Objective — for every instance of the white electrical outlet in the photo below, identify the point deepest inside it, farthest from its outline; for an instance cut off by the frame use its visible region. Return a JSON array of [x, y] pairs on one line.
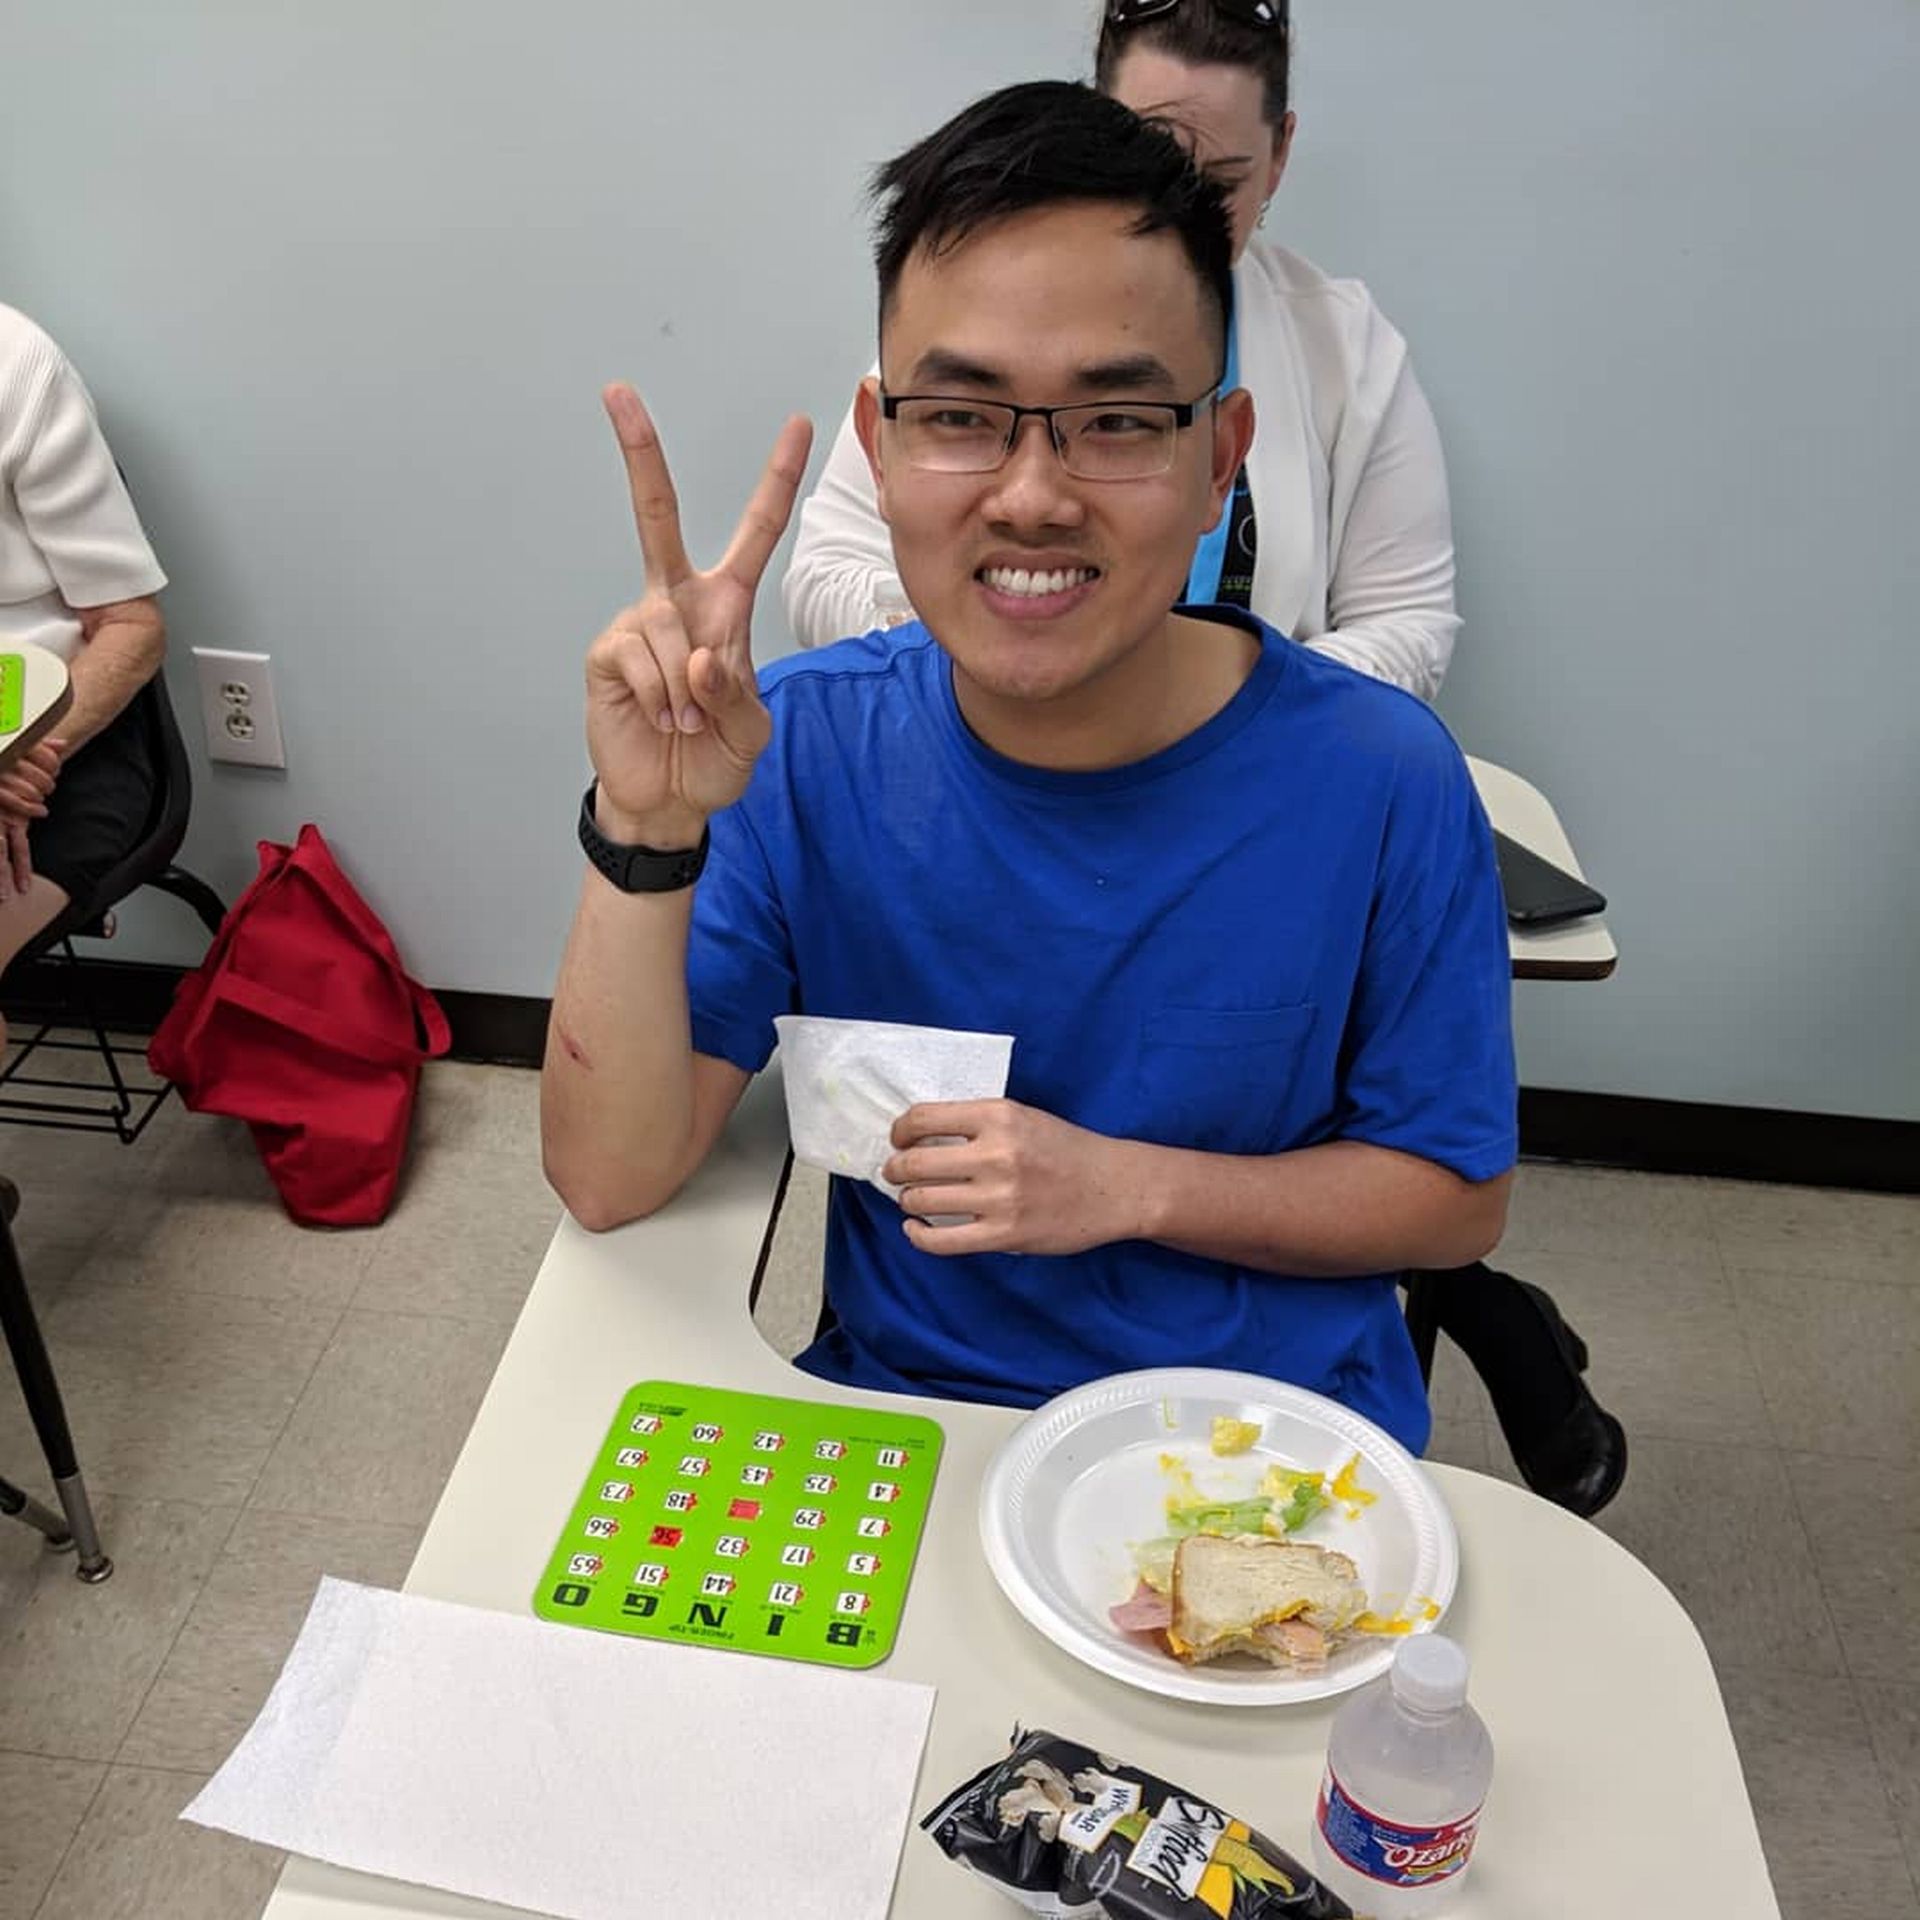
[[237, 704]]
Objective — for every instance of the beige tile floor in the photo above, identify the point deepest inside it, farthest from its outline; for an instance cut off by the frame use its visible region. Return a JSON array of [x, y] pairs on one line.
[[256, 1405]]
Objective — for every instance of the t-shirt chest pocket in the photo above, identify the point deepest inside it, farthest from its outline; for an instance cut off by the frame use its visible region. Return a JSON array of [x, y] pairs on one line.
[[1223, 1081]]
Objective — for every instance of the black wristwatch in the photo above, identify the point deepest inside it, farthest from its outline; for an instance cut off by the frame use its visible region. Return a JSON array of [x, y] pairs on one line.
[[639, 869]]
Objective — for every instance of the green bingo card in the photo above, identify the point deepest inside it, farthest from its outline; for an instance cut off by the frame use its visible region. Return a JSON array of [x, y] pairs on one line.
[[741, 1520], [13, 689]]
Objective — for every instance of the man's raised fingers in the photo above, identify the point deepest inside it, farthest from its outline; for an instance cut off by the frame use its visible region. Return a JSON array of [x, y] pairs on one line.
[[625, 660], [656, 508], [771, 507]]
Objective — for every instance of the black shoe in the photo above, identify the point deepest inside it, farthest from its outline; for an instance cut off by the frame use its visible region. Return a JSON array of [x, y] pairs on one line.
[[1582, 1461], [1581, 1464]]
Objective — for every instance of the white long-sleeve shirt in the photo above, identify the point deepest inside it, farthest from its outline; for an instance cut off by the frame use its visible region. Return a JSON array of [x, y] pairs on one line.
[[1355, 538], [69, 536]]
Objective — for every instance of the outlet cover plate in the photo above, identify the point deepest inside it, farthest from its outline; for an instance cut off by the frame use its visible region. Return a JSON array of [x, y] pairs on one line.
[[238, 707]]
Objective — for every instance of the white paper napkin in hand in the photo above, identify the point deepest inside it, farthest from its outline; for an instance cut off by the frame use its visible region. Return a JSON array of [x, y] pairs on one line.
[[573, 1773], [848, 1081]]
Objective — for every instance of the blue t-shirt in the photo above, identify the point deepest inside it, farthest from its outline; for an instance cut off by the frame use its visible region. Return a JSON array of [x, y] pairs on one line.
[[1283, 929]]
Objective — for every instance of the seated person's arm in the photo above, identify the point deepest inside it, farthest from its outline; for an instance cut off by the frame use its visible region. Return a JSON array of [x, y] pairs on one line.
[[627, 1109], [123, 645], [674, 725], [78, 514], [1037, 1184], [841, 580], [1339, 1208], [1390, 581]]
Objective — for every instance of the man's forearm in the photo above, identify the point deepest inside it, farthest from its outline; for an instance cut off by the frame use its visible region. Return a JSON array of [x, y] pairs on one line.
[[122, 649], [616, 1088], [1341, 1208]]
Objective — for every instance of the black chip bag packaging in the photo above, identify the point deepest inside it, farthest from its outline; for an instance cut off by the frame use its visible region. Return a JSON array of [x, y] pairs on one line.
[[1072, 1834]]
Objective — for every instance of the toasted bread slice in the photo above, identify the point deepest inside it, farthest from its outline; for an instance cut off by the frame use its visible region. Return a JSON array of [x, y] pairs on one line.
[[1226, 1591]]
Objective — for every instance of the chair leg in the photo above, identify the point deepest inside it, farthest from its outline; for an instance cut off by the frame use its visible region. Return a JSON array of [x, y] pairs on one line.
[[83, 1002], [22, 1506], [42, 1393], [195, 892], [1423, 1320]]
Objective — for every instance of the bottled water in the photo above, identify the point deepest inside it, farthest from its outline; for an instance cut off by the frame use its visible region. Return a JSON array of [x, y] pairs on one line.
[[1408, 1765]]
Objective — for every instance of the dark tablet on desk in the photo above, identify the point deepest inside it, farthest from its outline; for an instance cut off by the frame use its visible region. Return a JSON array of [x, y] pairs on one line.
[[1539, 894]]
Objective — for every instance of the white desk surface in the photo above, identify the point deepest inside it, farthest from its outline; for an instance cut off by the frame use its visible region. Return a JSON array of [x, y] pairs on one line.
[[45, 695], [1578, 950], [1616, 1787]]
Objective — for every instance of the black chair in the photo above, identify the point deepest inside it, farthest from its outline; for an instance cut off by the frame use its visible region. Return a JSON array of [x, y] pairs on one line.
[[1423, 1320], [148, 863], [125, 1109]]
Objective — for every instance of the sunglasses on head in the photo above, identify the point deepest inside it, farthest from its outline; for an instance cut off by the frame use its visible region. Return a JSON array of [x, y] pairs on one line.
[[1247, 13]]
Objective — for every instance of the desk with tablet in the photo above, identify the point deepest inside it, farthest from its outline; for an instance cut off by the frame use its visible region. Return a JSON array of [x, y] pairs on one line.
[[1576, 949]]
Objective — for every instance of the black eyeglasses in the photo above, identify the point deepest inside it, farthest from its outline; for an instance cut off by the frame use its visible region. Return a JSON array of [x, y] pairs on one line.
[[1248, 13], [1099, 440]]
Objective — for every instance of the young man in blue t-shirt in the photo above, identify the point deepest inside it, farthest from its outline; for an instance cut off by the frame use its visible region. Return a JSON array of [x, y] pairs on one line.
[[1236, 904]]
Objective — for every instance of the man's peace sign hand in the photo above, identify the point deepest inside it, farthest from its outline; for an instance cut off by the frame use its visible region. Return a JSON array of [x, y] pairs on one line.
[[674, 718]]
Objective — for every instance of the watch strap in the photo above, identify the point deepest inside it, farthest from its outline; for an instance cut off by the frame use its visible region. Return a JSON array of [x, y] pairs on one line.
[[639, 869]]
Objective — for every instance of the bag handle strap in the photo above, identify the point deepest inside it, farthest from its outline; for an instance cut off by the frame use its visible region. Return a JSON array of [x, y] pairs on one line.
[[432, 1018], [327, 1028], [312, 861]]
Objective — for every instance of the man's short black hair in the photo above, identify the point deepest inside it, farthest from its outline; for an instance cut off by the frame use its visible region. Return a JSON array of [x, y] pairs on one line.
[[1037, 145]]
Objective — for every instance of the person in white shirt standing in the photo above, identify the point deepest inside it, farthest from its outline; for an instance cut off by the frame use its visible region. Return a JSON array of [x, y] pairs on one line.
[[1339, 534], [78, 578]]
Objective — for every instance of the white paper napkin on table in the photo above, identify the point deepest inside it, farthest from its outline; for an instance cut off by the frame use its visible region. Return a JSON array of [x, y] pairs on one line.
[[848, 1081], [575, 1773]]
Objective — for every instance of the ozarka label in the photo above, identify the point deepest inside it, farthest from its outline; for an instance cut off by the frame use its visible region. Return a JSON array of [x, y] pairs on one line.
[[1385, 1851]]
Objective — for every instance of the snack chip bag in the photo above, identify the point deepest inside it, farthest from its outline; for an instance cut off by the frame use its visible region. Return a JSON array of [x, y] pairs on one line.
[[1074, 1835]]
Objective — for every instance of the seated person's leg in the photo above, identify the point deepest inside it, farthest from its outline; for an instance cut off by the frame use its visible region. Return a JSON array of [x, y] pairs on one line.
[[1567, 1446], [97, 812]]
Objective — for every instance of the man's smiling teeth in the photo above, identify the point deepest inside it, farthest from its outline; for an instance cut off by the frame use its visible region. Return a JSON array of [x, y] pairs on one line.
[[1018, 580]]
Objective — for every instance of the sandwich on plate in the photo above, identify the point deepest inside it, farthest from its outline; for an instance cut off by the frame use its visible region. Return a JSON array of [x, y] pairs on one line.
[[1289, 1602]]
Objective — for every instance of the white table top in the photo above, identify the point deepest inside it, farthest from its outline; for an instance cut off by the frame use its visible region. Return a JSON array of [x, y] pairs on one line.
[[1577, 950], [45, 695], [1616, 1787]]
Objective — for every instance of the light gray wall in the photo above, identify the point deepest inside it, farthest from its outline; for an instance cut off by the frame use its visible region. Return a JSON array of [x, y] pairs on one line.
[[346, 280]]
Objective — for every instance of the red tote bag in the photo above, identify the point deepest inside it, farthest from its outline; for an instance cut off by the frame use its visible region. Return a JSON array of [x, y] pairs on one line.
[[302, 1022]]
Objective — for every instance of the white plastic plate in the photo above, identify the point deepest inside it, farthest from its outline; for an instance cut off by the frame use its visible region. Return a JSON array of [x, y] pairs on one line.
[[1082, 1479]]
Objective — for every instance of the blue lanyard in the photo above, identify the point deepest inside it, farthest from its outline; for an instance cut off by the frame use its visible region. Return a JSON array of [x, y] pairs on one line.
[[1210, 557]]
